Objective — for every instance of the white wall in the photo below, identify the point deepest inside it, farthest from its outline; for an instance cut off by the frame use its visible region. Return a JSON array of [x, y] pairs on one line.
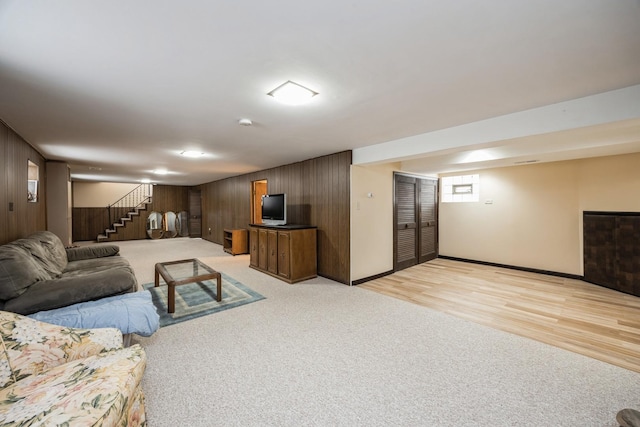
[[610, 183], [371, 220], [98, 194], [535, 220], [532, 222]]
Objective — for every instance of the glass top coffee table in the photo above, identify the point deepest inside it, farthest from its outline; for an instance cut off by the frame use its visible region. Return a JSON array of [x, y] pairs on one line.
[[182, 272]]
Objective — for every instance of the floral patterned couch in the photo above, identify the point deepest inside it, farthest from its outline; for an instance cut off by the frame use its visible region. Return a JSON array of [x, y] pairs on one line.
[[52, 375]]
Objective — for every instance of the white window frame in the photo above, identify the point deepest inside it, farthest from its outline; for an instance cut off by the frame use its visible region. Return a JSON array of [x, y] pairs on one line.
[[460, 189]]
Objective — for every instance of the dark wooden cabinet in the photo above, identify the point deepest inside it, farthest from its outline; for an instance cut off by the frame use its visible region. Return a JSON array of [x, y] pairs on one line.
[[612, 250], [290, 254]]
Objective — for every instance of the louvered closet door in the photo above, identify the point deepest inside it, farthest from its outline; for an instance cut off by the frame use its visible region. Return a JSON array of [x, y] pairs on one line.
[[405, 216], [428, 219]]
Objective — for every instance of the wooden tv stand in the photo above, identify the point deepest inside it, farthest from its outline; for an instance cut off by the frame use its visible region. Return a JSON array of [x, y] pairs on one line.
[[287, 252]]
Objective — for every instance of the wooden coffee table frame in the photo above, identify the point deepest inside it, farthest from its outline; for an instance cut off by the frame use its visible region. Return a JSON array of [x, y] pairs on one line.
[[161, 270]]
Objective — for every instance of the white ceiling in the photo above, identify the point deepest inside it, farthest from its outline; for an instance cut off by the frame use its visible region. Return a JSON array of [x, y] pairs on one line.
[[118, 88]]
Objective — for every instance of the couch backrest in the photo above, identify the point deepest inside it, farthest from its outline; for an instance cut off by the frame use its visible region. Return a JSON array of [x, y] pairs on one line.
[[30, 347], [18, 270], [41, 256], [53, 253]]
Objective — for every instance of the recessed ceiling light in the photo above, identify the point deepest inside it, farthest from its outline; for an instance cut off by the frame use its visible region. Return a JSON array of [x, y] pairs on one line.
[[145, 181], [160, 172], [190, 153], [292, 93]]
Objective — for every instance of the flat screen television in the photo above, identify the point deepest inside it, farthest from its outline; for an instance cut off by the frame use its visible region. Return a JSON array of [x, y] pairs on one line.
[[274, 209]]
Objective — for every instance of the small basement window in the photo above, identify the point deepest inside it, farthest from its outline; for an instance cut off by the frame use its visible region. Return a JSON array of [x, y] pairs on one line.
[[461, 188]]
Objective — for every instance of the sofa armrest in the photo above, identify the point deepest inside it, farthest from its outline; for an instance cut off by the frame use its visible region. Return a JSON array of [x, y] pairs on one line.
[[90, 252], [31, 347]]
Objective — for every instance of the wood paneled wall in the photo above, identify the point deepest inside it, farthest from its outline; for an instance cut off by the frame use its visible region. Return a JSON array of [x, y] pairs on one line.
[[89, 222], [317, 194], [26, 217]]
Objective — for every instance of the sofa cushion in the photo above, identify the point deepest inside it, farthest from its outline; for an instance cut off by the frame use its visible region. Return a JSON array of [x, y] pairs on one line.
[[54, 249], [94, 391], [18, 271], [68, 290], [85, 266]]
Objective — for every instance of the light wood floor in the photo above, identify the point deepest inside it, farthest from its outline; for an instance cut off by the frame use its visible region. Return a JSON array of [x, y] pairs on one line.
[[570, 314]]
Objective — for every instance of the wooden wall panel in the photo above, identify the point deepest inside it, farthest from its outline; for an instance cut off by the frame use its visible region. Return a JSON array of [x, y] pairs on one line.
[[318, 192], [168, 198], [88, 223], [26, 217]]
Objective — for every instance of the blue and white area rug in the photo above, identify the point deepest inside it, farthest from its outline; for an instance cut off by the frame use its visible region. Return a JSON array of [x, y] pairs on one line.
[[199, 299]]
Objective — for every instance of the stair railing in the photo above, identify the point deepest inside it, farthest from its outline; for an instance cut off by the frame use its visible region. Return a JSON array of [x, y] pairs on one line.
[[135, 198]]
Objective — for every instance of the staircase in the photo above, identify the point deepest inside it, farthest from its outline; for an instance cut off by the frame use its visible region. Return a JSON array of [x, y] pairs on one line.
[[125, 210]]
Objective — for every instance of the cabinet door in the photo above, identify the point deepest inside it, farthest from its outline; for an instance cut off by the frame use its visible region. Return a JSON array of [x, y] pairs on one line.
[[284, 255], [253, 242], [262, 249], [628, 254], [273, 251], [600, 250]]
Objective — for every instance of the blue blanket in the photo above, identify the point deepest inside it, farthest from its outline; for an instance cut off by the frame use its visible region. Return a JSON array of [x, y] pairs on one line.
[[131, 313]]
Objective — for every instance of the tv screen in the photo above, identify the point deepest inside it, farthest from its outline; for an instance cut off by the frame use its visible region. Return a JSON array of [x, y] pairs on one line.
[[274, 209]]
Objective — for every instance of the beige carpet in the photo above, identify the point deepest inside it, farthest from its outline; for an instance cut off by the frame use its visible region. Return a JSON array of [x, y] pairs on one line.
[[321, 353]]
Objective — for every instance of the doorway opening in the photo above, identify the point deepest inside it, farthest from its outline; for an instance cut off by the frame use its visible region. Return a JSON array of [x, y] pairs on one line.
[[195, 214], [258, 189]]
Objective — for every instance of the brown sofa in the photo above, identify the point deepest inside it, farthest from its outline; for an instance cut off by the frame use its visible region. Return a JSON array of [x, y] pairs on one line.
[[37, 273]]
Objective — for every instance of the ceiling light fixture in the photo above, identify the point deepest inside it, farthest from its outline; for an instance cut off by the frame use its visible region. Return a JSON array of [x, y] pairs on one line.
[[245, 122], [192, 153], [160, 172], [292, 93]]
